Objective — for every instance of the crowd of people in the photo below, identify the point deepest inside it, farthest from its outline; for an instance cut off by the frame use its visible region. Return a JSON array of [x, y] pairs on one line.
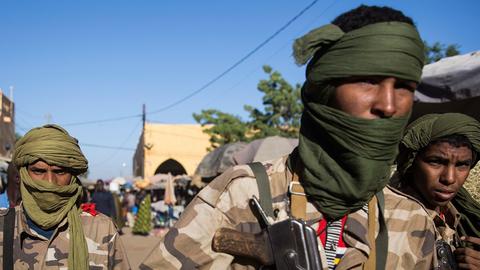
[[362, 70]]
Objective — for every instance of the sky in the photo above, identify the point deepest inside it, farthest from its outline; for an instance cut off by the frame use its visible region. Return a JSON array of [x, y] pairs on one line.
[[90, 65]]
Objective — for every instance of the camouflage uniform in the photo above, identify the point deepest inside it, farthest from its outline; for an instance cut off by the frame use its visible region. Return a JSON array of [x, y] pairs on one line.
[[33, 251], [224, 203]]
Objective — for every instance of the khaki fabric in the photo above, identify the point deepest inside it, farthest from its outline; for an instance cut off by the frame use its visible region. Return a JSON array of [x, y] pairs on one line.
[[224, 203], [33, 251]]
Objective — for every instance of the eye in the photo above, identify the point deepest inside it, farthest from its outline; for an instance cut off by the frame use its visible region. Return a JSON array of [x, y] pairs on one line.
[[464, 165], [410, 86], [38, 171], [435, 162], [59, 171]]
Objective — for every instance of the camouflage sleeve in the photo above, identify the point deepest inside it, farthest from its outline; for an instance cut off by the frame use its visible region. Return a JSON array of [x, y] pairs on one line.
[[117, 257], [187, 245]]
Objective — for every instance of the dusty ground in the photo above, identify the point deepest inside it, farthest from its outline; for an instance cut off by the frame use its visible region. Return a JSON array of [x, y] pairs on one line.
[[137, 246]]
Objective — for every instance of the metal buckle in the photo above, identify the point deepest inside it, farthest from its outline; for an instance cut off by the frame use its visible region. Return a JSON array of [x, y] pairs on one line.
[[290, 188]]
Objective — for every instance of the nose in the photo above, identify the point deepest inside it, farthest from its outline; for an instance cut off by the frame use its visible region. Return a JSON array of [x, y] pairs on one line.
[[448, 175], [51, 177], [384, 105]]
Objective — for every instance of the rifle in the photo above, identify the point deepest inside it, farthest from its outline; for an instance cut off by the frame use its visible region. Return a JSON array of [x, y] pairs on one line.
[[288, 244]]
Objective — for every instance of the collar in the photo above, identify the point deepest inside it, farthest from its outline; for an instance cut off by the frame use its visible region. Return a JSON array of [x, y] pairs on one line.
[[24, 228]]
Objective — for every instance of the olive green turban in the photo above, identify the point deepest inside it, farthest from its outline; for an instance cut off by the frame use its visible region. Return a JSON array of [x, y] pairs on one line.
[[52, 144], [381, 49], [430, 127]]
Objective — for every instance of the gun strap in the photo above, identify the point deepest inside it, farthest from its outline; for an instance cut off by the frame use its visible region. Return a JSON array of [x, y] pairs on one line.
[[263, 187], [372, 227], [381, 243], [8, 228], [298, 199]]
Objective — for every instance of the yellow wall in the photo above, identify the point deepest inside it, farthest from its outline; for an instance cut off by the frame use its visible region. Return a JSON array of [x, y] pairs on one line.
[[185, 143]]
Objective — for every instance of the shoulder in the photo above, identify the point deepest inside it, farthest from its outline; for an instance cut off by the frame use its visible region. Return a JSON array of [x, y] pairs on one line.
[[240, 181], [407, 219], [96, 222], [400, 204]]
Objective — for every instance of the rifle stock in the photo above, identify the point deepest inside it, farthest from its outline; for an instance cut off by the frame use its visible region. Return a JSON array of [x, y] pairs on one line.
[[254, 246]]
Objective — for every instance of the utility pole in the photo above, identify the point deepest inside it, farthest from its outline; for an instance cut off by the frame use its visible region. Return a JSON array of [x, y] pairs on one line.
[[144, 115]]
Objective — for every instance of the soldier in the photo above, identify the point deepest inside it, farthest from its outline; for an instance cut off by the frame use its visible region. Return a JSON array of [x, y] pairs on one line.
[[361, 73], [50, 229], [436, 156]]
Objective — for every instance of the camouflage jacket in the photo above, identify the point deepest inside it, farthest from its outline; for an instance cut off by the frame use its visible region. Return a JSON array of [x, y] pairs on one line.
[[33, 251], [225, 203]]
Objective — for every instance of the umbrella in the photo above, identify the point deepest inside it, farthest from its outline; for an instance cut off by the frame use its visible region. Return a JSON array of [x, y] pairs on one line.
[[169, 198], [219, 160], [159, 180], [450, 85], [451, 78], [265, 149], [119, 181]]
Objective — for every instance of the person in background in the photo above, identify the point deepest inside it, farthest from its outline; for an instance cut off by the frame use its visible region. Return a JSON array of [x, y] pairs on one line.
[[103, 200], [13, 188], [436, 155], [51, 230], [362, 71]]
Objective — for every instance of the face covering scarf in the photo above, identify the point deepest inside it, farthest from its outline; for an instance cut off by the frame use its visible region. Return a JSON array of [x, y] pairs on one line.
[[429, 128], [346, 160], [48, 204]]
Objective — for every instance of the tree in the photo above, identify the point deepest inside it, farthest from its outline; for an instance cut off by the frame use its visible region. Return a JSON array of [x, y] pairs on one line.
[[225, 127], [143, 223], [282, 107], [437, 51], [280, 115]]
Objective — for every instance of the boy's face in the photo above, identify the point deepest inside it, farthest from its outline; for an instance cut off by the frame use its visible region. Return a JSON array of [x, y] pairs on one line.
[[440, 171], [372, 97]]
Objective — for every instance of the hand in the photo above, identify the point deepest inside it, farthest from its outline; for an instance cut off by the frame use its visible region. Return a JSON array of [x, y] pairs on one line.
[[468, 258]]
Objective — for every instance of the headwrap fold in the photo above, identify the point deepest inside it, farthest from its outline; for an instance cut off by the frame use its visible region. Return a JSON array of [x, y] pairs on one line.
[[48, 204], [380, 49], [420, 133], [346, 160]]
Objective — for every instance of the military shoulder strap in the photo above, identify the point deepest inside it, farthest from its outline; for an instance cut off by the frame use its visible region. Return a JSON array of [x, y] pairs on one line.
[[8, 227], [381, 243], [263, 187]]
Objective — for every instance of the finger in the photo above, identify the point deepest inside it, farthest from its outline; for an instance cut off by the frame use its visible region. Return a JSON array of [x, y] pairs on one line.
[[472, 239], [464, 266], [469, 252], [472, 262]]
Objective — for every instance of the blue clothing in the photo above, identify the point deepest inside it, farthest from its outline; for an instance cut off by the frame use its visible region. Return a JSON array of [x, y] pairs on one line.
[[45, 233], [4, 203], [104, 203]]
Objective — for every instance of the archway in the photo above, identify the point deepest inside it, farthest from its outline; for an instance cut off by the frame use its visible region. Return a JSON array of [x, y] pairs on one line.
[[171, 166]]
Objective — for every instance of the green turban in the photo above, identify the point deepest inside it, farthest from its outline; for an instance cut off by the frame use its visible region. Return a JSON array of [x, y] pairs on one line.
[[48, 204], [347, 160], [430, 127], [52, 144]]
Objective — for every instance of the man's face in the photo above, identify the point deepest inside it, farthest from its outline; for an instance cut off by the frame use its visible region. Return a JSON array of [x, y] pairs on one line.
[[374, 97], [41, 171], [440, 171]]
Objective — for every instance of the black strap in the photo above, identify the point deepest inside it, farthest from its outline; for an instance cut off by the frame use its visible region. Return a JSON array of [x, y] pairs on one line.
[[381, 243], [8, 228], [263, 187]]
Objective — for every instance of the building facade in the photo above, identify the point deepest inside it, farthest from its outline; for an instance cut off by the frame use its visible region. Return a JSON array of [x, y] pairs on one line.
[[174, 148]]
